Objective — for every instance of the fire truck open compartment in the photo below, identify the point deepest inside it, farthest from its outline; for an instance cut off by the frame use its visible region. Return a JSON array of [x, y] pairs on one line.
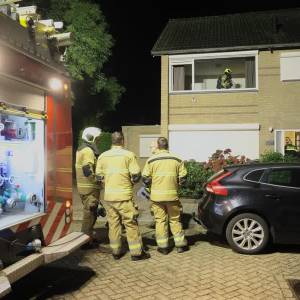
[[35, 150], [22, 169]]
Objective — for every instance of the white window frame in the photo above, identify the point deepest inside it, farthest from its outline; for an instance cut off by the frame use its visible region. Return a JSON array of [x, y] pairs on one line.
[[275, 140], [190, 59]]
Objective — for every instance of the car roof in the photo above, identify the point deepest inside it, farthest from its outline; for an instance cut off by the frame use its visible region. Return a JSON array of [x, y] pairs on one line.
[[262, 166]]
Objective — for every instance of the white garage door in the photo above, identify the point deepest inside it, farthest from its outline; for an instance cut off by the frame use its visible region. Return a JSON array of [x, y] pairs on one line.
[[200, 141]]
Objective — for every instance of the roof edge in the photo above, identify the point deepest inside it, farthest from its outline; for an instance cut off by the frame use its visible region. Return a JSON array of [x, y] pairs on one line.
[[225, 49], [242, 13]]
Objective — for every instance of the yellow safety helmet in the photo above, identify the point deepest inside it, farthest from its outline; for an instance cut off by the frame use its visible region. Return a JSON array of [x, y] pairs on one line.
[[227, 71]]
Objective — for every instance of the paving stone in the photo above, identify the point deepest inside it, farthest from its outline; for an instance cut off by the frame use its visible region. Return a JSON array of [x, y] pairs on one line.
[[210, 270]]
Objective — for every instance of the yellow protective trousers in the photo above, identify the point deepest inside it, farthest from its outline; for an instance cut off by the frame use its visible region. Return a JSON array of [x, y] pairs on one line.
[[165, 213], [90, 204], [119, 212]]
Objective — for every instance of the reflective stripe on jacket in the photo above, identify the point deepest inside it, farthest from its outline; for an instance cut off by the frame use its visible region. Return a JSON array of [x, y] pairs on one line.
[[85, 185], [164, 169], [117, 166]]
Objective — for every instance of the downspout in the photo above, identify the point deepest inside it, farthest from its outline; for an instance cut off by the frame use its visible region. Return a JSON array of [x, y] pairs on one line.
[[165, 95]]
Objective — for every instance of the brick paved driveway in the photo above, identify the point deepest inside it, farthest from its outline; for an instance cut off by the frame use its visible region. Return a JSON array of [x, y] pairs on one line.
[[210, 270]]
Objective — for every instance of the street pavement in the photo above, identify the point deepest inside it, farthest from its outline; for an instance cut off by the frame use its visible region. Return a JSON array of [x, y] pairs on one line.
[[209, 270]]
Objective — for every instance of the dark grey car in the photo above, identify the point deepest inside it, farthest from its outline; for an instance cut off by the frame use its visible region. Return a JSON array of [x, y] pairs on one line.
[[251, 204]]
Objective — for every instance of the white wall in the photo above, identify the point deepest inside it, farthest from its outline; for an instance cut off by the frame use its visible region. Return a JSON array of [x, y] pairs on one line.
[[146, 141], [201, 144]]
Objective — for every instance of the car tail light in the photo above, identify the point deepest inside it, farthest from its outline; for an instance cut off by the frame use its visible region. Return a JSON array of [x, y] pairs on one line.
[[215, 187]]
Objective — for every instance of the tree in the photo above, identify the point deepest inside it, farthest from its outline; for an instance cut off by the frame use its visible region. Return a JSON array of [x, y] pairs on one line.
[[85, 59], [92, 43]]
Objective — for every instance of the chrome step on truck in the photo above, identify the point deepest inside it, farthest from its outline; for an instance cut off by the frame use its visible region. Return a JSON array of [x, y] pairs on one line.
[[52, 252]]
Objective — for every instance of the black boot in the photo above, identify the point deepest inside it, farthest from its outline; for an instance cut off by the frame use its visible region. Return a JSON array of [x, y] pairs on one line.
[[117, 256], [164, 251], [142, 256], [182, 249]]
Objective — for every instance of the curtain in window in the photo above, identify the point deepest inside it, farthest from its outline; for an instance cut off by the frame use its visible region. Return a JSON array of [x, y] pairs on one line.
[[279, 142], [298, 140], [178, 78], [250, 72]]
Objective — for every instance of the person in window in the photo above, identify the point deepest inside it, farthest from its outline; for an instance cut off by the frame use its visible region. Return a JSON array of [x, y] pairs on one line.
[[289, 148], [225, 80]]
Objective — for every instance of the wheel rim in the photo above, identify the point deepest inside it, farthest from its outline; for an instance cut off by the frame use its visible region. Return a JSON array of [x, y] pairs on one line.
[[248, 234]]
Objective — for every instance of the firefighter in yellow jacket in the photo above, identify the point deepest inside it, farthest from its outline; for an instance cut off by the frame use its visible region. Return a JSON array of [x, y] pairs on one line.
[[164, 172], [118, 170], [88, 189]]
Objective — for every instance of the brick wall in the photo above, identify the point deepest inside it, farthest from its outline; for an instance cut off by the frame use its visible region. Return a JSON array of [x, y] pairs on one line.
[[275, 104], [132, 138]]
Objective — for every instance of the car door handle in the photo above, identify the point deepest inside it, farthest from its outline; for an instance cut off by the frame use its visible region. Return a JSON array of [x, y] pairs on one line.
[[272, 196]]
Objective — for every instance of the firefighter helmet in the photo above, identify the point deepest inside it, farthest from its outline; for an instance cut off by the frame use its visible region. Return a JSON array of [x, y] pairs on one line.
[[89, 134], [227, 71]]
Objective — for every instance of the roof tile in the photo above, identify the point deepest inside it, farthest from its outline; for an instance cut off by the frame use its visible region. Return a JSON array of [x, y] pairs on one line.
[[245, 30]]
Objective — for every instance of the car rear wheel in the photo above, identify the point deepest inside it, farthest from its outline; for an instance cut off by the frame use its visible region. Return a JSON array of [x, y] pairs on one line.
[[247, 233]]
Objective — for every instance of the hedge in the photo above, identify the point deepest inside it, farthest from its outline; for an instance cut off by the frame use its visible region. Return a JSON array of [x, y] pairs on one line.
[[198, 173]]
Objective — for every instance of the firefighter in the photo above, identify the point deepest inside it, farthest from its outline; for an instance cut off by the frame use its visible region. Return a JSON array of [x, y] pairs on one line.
[[225, 80], [88, 189], [164, 172], [290, 148], [118, 170]]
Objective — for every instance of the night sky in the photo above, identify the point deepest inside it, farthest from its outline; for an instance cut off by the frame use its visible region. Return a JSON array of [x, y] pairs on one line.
[[135, 26]]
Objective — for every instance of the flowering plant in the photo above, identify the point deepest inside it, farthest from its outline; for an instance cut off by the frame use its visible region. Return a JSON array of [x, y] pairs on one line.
[[222, 158]]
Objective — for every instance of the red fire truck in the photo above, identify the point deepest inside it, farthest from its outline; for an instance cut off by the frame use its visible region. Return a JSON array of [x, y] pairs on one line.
[[35, 155]]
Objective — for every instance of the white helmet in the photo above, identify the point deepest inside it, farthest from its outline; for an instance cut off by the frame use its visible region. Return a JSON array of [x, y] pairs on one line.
[[89, 134]]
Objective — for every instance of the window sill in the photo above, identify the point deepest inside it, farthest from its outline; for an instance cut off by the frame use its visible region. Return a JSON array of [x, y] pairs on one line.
[[221, 91]]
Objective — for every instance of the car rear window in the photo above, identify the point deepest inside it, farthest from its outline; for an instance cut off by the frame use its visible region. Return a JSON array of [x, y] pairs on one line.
[[284, 177], [255, 175]]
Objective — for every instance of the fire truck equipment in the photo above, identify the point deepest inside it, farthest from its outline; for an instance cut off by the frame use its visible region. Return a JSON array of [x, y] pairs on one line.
[[143, 193], [26, 10], [45, 27], [59, 25], [35, 156], [62, 39], [8, 2], [29, 130], [12, 196], [35, 245]]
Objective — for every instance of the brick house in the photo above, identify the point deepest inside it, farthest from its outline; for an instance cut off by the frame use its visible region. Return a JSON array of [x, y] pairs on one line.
[[261, 110]]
